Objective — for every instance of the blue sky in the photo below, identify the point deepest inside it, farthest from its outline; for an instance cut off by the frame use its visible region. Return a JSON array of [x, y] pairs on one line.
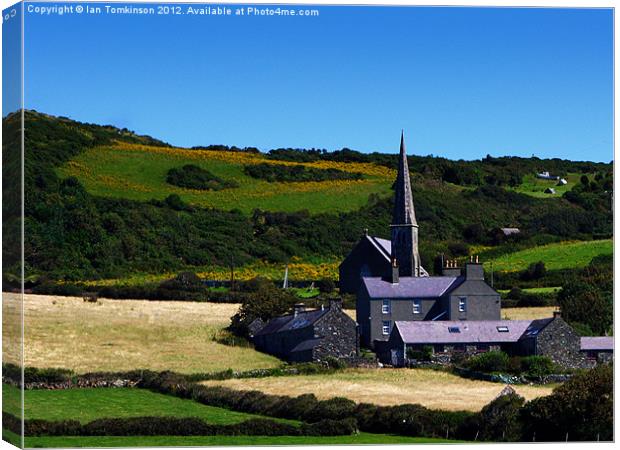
[[462, 82]]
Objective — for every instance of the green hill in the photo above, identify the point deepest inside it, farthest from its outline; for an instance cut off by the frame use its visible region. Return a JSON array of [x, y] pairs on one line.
[[99, 204], [561, 255]]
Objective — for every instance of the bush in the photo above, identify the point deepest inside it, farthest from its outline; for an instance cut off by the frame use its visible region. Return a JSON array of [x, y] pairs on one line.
[[425, 354], [494, 361], [537, 366], [326, 285], [194, 177], [581, 410], [286, 174]]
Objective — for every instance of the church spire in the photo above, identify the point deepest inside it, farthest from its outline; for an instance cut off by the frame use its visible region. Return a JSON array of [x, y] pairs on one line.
[[403, 213], [404, 225]]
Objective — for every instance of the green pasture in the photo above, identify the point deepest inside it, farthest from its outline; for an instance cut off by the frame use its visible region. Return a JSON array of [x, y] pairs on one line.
[[141, 175], [561, 255], [87, 404], [534, 290], [187, 441], [535, 187]]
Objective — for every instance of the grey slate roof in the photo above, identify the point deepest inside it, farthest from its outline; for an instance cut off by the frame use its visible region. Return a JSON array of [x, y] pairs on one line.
[[597, 343], [410, 287], [290, 322], [306, 345], [383, 245], [438, 332]]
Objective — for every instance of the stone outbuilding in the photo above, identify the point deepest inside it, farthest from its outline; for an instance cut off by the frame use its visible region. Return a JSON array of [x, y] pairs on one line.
[[309, 335], [551, 337]]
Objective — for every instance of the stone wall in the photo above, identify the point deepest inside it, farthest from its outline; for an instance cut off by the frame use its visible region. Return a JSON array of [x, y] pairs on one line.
[[562, 344], [339, 335]]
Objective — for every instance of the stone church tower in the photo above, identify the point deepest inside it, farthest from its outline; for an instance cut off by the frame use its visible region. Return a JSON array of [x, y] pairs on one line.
[[404, 248]]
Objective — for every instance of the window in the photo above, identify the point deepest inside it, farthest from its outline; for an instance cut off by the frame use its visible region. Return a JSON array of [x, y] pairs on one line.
[[502, 329], [416, 307], [386, 327], [385, 308], [462, 304]]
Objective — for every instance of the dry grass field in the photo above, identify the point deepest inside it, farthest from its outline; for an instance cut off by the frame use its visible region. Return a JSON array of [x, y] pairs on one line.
[[427, 387], [118, 335], [529, 313]]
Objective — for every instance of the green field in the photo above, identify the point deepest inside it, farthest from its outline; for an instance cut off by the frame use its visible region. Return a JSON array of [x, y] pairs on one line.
[[562, 255], [86, 404], [89, 404], [534, 290], [187, 441], [536, 187], [139, 173]]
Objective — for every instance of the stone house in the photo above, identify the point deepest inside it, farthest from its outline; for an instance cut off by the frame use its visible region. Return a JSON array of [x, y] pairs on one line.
[[457, 295], [551, 337], [598, 349], [309, 335]]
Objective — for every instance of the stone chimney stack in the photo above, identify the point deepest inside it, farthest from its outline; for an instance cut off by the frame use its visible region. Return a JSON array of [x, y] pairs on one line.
[[557, 314], [395, 269]]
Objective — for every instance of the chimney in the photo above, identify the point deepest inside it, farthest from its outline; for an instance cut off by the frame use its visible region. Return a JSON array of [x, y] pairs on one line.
[[474, 270], [395, 269], [335, 304], [557, 314], [452, 269], [298, 308]]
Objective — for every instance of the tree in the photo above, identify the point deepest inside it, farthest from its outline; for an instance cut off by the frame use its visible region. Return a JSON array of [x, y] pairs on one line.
[[581, 410], [264, 301]]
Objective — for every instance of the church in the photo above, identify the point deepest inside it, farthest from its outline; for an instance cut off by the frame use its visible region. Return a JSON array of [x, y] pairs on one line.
[[391, 284], [373, 256]]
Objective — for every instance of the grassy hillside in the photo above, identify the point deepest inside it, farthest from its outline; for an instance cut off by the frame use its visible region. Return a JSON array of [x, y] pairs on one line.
[[99, 207], [138, 172], [562, 255], [535, 186]]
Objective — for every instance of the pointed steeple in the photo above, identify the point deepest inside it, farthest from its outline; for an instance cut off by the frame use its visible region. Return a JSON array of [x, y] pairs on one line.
[[404, 224], [403, 213]]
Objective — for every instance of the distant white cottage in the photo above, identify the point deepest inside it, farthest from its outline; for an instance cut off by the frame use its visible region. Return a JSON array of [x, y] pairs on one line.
[[546, 176]]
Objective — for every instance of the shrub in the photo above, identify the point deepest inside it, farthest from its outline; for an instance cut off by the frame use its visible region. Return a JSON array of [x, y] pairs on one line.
[[286, 174], [581, 410], [326, 285], [494, 361], [194, 177], [499, 420], [537, 366], [424, 354]]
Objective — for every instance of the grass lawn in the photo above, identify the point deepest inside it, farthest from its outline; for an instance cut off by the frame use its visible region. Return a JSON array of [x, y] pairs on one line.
[[562, 255], [119, 335], [535, 290], [431, 388], [535, 187], [187, 441], [89, 404], [139, 172]]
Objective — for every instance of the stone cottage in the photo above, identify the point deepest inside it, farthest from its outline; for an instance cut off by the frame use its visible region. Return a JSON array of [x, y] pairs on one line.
[[551, 337], [309, 335]]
